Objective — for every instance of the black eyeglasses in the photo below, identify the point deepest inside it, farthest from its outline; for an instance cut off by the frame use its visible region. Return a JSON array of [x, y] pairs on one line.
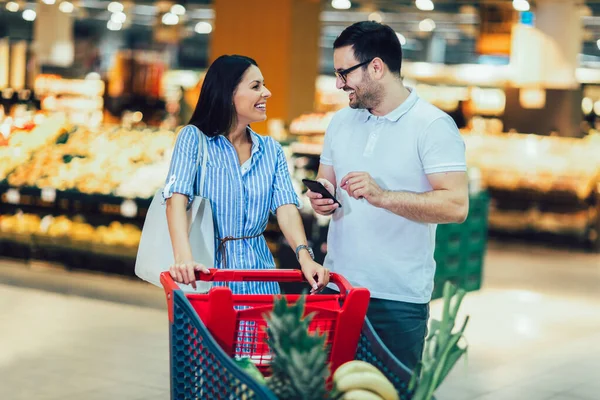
[[343, 73]]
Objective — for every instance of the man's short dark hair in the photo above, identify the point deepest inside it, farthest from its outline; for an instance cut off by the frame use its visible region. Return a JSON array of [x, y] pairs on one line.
[[371, 39]]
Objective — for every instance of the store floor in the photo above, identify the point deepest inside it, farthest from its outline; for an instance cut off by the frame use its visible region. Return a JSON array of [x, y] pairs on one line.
[[533, 333]]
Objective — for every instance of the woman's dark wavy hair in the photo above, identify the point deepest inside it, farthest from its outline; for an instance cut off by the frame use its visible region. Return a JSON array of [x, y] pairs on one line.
[[215, 112]]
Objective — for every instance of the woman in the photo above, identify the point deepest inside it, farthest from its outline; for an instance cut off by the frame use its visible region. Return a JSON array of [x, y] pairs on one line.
[[246, 177]]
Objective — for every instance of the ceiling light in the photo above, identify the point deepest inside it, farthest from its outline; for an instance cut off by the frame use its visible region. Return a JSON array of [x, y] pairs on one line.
[[12, 6], [424, 5], [521, 5], [203, 28], [178, 9], [170, 19], [29, 15], [114, 26], [341, 4], [118, 17], [427, 25], [66, 7], [115, 7]]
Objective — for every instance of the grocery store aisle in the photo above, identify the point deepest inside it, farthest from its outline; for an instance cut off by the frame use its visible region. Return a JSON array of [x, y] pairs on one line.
[[62, 347], [534, 333]]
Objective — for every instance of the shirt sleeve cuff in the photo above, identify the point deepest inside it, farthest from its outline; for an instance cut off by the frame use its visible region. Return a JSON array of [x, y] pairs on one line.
[[284, 198], [436, 169], [326, 161], [167, 193]]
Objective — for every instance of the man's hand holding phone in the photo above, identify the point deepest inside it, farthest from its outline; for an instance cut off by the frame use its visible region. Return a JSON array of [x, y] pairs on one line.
[[321, 204]]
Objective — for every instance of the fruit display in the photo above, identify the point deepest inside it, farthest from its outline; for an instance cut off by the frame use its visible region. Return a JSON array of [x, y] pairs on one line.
[[533, 219], [540, 183], [328, 97], [127, 163], [76, 229], [80, 100], [62, 226], [484, 101], [21, 144], [21, 224], [508, 161], [46, 85], [117, 233], [539, 163], [20, 118]]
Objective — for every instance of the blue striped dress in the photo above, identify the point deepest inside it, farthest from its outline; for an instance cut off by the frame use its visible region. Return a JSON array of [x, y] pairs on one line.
[[241, 198]]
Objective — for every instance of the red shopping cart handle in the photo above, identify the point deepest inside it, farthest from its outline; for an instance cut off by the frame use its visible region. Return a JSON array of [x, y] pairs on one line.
[[267, 275]]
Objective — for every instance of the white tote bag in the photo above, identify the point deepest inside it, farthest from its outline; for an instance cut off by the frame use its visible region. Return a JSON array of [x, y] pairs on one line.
[[155, 252]]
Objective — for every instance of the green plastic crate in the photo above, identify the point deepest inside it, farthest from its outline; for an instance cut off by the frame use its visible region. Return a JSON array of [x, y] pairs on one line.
[[460, 248]]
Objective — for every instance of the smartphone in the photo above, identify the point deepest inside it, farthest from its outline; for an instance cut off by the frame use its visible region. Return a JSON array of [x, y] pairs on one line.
[[318, 187]]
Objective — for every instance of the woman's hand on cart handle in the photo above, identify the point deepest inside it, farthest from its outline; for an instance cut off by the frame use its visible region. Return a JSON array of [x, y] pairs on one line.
[[312, 269], [185, 272]]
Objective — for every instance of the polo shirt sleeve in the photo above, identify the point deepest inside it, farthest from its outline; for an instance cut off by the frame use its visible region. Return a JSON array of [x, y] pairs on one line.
[[183, 170], [283, 191], [442, 148]]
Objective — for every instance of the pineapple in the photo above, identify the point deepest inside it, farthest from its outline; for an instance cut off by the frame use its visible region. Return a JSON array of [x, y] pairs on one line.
[[299, 365]]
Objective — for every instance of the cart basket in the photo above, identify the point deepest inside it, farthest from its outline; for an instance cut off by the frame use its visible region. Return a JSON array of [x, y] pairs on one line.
[[208, 330]]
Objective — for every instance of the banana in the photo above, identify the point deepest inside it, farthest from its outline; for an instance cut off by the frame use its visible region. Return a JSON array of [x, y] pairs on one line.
[[360, 394], [374, 382], [352, 367]]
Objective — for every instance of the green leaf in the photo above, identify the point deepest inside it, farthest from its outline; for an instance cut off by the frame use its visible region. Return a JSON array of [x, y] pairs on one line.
[[415, 376], [457, 302], [455, 354], [248, 366], [434, 327], [441, 350]]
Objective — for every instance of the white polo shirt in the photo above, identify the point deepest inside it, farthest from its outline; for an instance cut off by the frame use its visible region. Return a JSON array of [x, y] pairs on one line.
[[372, 247]]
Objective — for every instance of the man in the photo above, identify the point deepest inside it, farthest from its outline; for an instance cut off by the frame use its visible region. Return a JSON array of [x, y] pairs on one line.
[[397, 165]]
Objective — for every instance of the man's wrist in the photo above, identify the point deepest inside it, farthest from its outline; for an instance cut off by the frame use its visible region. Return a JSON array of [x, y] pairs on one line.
[[383, 199]]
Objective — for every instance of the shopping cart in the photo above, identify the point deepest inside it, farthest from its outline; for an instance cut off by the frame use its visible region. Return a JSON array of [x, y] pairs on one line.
[[208, 330]]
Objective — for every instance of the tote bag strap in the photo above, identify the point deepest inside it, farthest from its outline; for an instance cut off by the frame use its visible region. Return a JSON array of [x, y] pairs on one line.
[[202, 145]]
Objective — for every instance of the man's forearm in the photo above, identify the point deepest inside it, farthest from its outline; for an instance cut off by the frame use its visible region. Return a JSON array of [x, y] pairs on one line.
[[436, 206]]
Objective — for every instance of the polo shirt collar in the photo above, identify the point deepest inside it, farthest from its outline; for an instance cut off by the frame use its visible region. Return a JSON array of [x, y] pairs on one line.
[[398, 112]]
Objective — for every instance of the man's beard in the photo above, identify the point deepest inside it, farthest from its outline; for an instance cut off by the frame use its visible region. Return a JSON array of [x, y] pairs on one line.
[[366, 96]]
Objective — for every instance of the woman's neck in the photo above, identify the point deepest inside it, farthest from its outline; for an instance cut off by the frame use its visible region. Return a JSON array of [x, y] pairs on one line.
[[238, 135]]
